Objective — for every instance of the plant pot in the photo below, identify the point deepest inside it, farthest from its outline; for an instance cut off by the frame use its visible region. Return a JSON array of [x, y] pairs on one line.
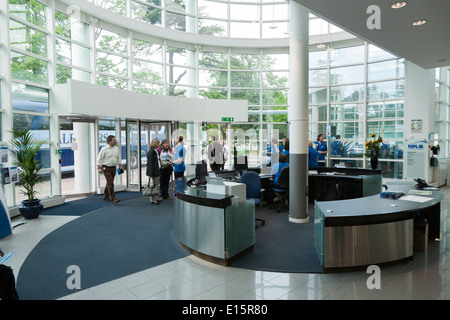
[[31, 209], [374, 163]]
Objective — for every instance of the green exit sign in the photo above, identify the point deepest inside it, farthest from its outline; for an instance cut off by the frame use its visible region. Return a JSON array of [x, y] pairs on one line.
[[227, 119]]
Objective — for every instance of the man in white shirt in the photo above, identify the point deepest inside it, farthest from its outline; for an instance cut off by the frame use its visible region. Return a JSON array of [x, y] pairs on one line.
[[107, 161]]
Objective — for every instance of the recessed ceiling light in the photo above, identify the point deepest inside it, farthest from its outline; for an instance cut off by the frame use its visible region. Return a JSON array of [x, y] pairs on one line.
[[321, 46], [273, 26], [419, 22], [398, 5]]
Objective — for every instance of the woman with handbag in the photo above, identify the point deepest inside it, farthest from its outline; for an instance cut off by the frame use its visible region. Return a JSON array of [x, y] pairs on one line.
[[166, 168], [153, 171]]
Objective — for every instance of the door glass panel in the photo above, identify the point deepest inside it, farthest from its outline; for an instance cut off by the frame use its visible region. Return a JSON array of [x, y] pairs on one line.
[[133, 164]]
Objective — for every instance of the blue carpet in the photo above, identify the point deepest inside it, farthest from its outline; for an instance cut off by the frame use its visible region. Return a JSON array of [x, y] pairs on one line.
[[281, 245], [114, 241], [106, 244], [88, 204]]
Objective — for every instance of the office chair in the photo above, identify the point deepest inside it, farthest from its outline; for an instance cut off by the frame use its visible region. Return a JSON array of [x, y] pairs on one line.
[[283, 188], [253, 189]]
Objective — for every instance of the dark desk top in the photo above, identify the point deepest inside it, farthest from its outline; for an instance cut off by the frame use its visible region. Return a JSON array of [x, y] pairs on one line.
[[198, 195], [373, 209]]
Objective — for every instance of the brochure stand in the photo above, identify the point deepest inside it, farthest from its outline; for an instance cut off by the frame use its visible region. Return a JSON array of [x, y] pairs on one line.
[[5, 221]]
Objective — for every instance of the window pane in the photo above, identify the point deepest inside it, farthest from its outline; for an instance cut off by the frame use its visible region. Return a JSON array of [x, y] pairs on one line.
[[317, 95], [146, 13], [347, 75], [213, 93], [110, 41], [318, 77], [251, 95], [147, 71], [275, 79], [317, 113], [28, 68], [147, 87], [112, 82], [245, 79], [214, 28], [345, 112], [71, 53], [112, 64], [27, 38], [386, 89], [350, 55], [346, 93], [248, 30], [146, 50], [117, 6], [375, 53], [212, 9], [318, 59], [245, 61], [275, 97], [386, 70], [29, 98], [29, 10]]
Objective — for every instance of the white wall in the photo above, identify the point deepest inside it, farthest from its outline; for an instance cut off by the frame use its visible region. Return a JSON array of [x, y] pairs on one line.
[[81, 98], [420, 104]]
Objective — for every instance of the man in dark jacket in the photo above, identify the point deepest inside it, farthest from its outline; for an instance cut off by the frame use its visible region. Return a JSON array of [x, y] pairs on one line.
[[7, 282], [153, 169]]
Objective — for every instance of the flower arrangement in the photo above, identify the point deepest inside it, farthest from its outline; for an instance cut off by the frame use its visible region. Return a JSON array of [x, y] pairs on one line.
[[373, 146]]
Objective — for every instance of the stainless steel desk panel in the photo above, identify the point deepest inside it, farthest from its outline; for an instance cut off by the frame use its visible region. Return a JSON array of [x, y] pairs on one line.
[[348, 246], [200, 228]]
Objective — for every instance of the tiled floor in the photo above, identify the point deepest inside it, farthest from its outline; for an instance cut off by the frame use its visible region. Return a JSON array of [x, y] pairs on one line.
[[426, 277]]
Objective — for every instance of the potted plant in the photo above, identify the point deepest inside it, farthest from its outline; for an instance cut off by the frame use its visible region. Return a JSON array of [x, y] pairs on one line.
[[24, 148], [373, 150]]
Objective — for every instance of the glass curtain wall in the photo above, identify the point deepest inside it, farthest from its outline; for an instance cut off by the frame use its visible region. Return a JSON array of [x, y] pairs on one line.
[[354, 91]]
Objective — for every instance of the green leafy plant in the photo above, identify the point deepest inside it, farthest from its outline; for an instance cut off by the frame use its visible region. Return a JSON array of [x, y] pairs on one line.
[[24, 148], [373, 147]]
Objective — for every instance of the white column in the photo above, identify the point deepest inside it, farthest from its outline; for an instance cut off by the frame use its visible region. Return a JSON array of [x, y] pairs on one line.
[[298, 113], [82, 162]]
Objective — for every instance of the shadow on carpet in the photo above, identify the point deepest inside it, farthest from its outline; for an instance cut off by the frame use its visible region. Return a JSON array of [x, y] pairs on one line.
[[281, 245], [88, 204], [107, 244]]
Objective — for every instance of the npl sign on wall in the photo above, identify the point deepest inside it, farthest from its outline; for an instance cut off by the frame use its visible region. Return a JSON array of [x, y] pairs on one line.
[[416, 158]]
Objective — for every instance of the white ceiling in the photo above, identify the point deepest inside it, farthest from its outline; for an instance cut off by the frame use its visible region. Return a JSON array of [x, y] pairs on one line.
[[427, 46]]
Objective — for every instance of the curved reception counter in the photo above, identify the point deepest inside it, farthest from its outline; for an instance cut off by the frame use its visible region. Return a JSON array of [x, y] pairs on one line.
[[216, 227], [373, 230]]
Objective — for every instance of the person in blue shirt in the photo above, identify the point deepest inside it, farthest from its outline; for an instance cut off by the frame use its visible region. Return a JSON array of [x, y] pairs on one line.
[[286, 149], [321, 148], [179, 167], [312, 156], [276, 171]]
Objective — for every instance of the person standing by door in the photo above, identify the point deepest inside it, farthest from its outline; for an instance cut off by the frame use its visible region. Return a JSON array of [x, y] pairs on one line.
[[107, 161], [166, 168], [179, 167]]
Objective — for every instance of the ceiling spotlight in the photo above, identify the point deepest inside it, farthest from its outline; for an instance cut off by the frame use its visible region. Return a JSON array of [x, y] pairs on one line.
[[273, 26], [321, 46], [398, 5], [419, 22]]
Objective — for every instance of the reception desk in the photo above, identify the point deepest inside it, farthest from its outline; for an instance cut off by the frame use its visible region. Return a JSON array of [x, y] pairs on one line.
[[372, 230], [327, 183], [216, 227]]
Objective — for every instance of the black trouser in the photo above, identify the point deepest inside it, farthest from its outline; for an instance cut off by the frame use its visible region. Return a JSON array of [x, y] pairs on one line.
[[164, 181], [7, 284]]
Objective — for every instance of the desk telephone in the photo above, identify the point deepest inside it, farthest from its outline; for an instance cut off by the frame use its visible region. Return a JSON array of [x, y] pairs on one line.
[[196, 182], [421, 183]]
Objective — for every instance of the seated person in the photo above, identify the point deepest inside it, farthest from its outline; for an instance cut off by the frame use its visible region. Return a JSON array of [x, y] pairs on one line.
[[313, 156], [275, 173], [7, 282]]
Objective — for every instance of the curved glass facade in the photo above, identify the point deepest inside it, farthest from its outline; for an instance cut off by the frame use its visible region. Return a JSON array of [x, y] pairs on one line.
[[232, 50]]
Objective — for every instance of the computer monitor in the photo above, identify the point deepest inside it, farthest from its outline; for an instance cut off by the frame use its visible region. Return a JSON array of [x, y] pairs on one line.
[[240, 163], [201, 170]]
